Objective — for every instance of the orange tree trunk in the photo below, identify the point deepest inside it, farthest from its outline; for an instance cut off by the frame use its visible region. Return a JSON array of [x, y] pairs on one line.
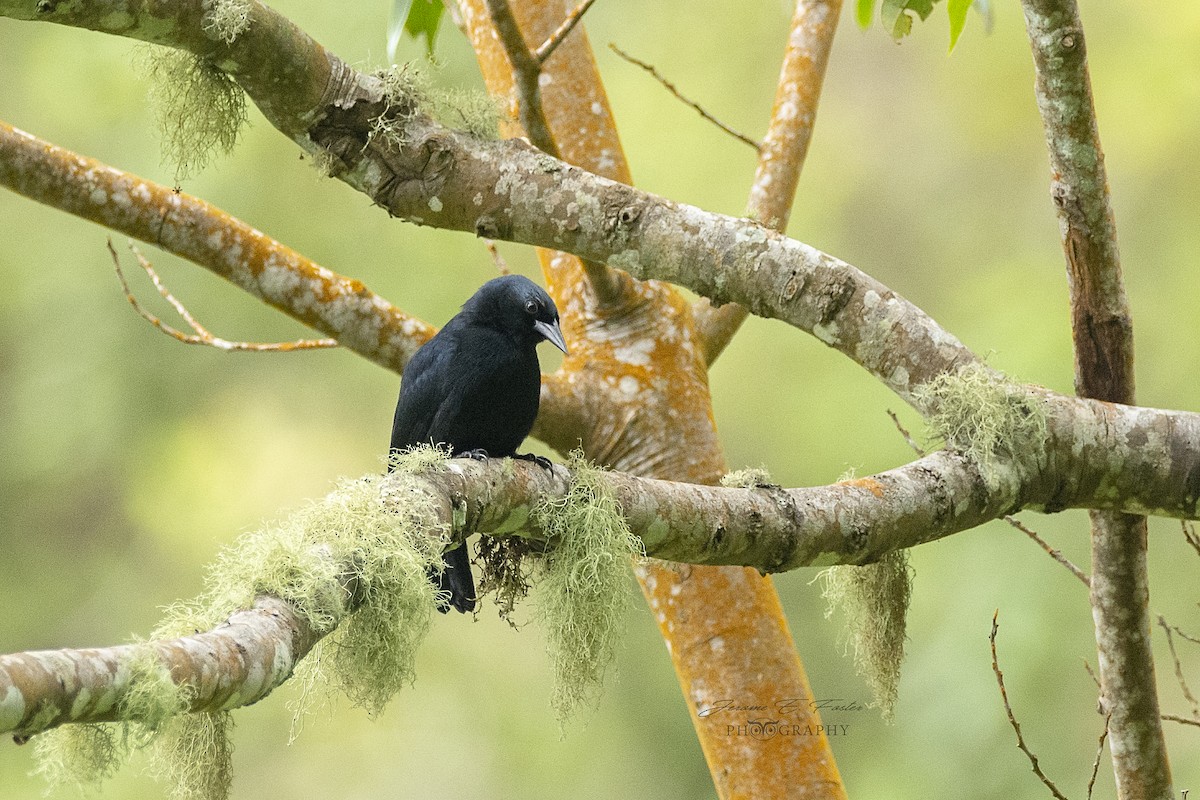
[[634, 391]]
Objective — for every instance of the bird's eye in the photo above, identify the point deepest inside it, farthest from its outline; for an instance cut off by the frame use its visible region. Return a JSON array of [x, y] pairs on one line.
[[532, 307]]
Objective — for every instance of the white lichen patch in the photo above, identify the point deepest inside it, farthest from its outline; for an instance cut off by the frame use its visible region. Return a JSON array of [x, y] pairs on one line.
[[435, 204]]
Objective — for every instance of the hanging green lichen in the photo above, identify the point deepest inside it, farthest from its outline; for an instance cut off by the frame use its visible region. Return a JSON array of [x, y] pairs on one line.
[[582, 585]]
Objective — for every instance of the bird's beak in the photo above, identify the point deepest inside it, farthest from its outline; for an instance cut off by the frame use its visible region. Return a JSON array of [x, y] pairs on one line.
[[551, 333]]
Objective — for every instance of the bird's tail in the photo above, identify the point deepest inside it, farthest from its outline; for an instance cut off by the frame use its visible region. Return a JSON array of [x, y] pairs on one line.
[[456, 585]]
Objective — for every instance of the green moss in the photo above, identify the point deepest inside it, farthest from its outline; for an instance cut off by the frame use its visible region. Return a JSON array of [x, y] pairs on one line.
[[983, 415], [199, 108], [874, 600], [582, 585]]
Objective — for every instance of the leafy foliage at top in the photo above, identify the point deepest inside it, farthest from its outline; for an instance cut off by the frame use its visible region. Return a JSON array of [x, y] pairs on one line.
[[897, 16]]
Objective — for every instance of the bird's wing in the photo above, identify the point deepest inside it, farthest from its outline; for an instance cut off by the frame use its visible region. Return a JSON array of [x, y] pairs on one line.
[[423, 391]]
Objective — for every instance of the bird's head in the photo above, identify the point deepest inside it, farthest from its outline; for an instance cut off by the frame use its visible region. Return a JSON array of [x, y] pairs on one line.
[[519, 306]]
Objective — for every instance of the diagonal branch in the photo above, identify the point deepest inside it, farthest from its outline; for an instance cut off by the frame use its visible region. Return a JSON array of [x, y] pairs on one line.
[[547, 48], [783, 149], [341, 307], [527, 74]]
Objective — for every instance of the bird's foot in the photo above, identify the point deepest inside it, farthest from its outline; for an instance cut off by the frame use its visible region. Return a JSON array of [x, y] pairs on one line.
[[541, 461], [478, 454]]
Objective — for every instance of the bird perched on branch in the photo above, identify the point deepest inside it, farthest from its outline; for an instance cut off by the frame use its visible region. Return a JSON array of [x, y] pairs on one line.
[[475, 387]]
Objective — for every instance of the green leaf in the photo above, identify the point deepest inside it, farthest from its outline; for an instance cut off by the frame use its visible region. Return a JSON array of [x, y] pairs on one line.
[[417, 18], [957, 11], [423, 21], [863, 12]]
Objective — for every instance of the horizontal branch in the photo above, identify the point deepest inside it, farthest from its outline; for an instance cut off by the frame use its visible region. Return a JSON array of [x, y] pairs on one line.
[[767, 527]]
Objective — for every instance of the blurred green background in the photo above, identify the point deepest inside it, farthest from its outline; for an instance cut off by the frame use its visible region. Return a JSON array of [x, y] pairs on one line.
[[129, 459]]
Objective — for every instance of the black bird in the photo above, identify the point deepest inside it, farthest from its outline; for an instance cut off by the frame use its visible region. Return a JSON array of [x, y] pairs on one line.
[[475, 387]]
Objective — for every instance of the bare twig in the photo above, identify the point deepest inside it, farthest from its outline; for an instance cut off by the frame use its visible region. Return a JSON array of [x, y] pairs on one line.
[[201, 336], [1053, 552], [1184, 635], [1189, 533], [1091, 673], [670, 87], [1187, 692], [1099, 753], [904, 432], [546, 48], [1180, 720], [1016, 726], [497, 259]]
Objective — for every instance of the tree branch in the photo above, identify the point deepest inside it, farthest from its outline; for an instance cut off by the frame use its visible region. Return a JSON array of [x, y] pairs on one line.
[[783, 150], [507, 190], [527, 74], [282, 278], [1102, 330], [234, 665]]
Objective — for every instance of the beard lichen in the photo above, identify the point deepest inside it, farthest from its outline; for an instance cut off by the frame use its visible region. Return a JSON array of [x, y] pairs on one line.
[[982, 414], [226, 19], [581, 587], [199, 109], [408, 91], [354, 565], [873, 599]]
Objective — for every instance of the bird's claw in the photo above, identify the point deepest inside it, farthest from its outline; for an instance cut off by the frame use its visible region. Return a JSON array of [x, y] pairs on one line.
[[541, 461], [478, 454]]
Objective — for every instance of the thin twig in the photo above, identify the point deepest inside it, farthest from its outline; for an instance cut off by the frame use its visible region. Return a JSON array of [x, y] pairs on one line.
[[670, 87], [1054, 553], [1189, 533], [497, 259], [201, 336], [1016, 726], [1092, 673], [904, 432], [555, 39], [1099, 753], [1180, 720], [1184, 635], [1187, 692]]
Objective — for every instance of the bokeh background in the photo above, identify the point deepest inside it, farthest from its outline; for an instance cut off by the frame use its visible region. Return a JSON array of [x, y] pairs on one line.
[[129, 459]]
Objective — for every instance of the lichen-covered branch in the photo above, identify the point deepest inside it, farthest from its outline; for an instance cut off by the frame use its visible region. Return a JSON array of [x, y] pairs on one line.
[[766, 527], [236, 664], [508, 190], [783, 150], [1102, 332], [341, 307]]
